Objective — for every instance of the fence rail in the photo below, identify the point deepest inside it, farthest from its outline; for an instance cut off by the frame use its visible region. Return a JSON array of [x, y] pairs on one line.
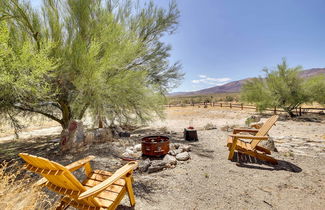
[[299, 111]]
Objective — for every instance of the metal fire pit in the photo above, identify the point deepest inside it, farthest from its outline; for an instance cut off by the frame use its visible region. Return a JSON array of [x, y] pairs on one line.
[[155, 145]]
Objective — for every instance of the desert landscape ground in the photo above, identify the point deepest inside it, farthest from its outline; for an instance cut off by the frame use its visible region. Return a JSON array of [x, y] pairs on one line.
[[208, 180]]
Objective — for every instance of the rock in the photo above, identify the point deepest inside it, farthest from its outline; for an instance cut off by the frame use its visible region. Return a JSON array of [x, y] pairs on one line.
[[228, 128], [176, 145], [269, 144], [136, 155], [156, 165], [89, 137], [137, 147], [170, 160], [175, 152], [144, 165], [183, 156], [73, 138], [185, 148], [210, 126], [129, 150], [172, 146], [103, 135], [124, 134], [126, 154]]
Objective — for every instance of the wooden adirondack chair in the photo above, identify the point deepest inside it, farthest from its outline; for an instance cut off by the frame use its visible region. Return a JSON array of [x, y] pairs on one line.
[[234, 141], [100, 190]]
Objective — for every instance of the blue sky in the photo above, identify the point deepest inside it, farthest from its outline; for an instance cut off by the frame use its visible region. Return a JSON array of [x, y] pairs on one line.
[[218, 41]]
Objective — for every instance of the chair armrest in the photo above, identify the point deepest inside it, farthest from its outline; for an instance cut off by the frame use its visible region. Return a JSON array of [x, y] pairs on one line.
[[128, 168], [249, 137], [79, 163], [249, 130], [71, 167]]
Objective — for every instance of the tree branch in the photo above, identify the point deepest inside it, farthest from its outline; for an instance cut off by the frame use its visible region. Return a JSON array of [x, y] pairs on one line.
[[39, 112]]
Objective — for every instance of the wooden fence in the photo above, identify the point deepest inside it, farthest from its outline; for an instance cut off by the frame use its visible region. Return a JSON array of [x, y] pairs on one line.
[[299, 111]]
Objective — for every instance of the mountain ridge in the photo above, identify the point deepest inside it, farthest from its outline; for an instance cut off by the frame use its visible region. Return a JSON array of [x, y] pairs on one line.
[[234, 86]]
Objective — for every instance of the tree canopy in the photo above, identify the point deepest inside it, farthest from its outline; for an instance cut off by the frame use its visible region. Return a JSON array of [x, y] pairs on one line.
[[283, 88], [73, 56]]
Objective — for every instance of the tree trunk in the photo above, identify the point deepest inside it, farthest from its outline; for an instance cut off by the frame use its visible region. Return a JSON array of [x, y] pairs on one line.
[[66, 115], [290, 112]]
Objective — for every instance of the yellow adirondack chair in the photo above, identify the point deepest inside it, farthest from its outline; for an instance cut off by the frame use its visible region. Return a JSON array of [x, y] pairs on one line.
[[234, 141], [100, 190]]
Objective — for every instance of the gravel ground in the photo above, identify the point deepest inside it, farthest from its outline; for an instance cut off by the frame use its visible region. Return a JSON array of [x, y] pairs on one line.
[[209, 180]]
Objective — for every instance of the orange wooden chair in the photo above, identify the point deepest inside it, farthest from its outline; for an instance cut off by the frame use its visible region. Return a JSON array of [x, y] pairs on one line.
[[235, 142], [100, 190]]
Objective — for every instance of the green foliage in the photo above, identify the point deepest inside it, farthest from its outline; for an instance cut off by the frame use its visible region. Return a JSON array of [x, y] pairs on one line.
[[22, 73], [316, 89], [281, 88], [229, 98], [105, 57]]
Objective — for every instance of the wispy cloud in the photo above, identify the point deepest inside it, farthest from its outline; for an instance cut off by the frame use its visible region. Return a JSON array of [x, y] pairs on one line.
[[210, 80]]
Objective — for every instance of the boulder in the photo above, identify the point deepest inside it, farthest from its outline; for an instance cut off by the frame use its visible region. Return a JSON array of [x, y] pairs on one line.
[[144, 165], [170, 160], [269, 144], [137, 147], [102, 135], [185, 148], [183, 156], [156, 165], [73, 138], [175, 152]]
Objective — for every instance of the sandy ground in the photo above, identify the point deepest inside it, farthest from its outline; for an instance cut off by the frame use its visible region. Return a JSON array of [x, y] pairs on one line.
[[209, 180]]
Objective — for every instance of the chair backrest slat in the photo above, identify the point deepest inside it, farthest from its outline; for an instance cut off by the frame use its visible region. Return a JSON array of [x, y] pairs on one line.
[[264, 129], [60, 179]]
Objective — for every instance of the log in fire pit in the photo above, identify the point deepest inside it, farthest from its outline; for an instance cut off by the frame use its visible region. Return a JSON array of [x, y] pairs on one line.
[[155, 145]]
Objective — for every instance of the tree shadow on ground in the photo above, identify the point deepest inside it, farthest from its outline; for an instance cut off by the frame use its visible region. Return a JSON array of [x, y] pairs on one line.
[[45, 146], [247, 161]]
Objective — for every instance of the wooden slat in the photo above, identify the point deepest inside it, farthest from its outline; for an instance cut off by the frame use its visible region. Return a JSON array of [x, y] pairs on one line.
[[104, 202], [112, 188], [100, 175], [128, 168], [42, 170], [265, 129], [62, 190]]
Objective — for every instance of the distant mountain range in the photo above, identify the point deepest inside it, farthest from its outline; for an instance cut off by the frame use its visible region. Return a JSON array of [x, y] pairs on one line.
[[235, 86]]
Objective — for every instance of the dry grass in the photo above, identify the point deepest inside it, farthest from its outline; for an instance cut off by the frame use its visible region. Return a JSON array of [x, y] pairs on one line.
[[17, 190]]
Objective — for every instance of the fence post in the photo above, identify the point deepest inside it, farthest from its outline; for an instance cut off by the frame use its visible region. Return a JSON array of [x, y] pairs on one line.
[[300, 111], [242, 106], [275, 110], [220, 104], [230, 106]]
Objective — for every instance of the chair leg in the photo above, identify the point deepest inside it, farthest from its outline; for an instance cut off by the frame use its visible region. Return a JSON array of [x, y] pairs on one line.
[[232, 149], [129, 189]]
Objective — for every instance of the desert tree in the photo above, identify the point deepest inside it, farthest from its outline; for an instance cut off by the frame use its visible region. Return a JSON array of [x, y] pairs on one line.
[[101, 57], [283, 88]]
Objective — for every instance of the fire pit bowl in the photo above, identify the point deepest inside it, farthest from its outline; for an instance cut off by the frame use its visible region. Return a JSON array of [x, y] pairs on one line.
[[155, 145]]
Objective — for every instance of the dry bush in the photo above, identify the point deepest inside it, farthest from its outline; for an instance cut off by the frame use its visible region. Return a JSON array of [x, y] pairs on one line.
[[17, 190]]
